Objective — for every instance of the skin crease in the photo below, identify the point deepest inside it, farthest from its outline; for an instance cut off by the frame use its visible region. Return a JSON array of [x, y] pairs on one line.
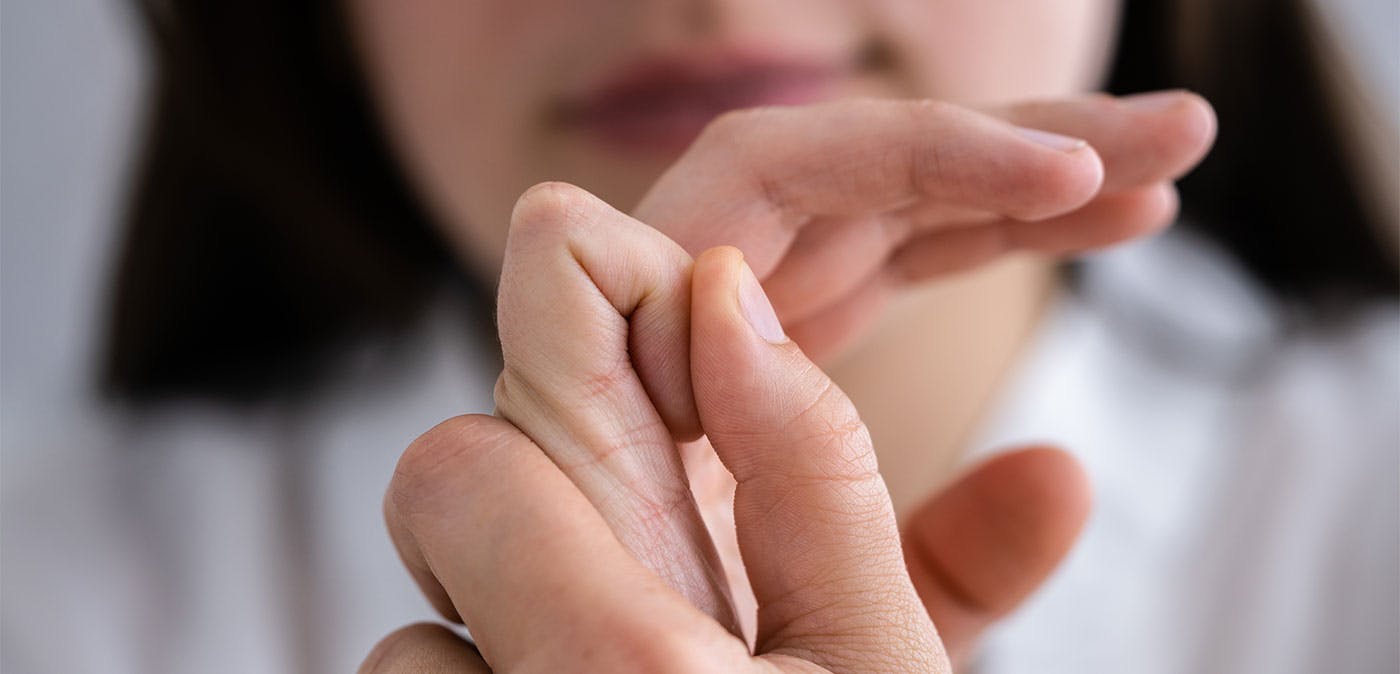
[[466, 88]]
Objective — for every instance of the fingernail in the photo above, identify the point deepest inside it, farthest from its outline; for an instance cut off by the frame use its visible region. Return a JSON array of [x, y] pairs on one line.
[[1153, 102], [757, 309], [1053, 141]]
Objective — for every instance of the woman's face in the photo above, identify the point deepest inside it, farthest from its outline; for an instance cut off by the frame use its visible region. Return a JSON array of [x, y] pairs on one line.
[[483, 99]]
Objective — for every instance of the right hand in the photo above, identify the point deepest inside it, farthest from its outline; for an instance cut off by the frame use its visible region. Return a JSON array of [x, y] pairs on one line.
[[896, 192]]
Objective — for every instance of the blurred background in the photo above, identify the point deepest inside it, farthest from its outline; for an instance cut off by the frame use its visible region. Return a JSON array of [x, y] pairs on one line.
[[72, 82]]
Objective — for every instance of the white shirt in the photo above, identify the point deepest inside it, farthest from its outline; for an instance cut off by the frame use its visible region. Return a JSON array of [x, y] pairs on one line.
[[1246, 516], [1247, 478], [206, 539]]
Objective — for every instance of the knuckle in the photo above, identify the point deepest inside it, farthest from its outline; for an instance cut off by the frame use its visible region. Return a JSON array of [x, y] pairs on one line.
[[512, 392], [1101, 106], [400, 651], [928, 110], [551, 205], [656, 517], [932, 119], [834, 426], [434, 464]]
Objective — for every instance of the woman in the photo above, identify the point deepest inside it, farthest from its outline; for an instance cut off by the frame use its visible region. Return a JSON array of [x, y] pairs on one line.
[[306, 235]]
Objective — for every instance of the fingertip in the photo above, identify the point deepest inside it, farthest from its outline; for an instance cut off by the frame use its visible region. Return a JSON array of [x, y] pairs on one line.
[[715, 319], [1045, 474], [1140, 213], [1042, 492], [979, 548], [1184, 127], [1001, 529], [1165, 206], [725, 289], [713, 268], [1199, 126]]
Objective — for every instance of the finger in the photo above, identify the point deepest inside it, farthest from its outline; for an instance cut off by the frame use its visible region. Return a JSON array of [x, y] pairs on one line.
[[593, 286], [871, 258], [838, 324], [533, 569], [424, 648], [1109, 219], [594, 315], [1142, 139], [755, 176], [979, 548], [814, 520], [826, 262]]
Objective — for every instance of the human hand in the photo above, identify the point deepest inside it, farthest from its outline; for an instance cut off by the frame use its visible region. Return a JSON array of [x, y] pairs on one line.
[[603, 401], [542, 582], [894, 192]]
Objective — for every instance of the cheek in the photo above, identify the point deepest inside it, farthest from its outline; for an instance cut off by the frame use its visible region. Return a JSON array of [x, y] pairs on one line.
[[998, 50], [455, 84]]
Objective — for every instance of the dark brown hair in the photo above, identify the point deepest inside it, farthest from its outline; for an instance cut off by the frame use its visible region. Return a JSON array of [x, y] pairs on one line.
[[1280, 190], [269, 223], [268, 220]]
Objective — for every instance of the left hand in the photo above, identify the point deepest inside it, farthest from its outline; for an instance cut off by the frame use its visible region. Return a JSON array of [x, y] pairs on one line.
[[440, 471], [538, 576]]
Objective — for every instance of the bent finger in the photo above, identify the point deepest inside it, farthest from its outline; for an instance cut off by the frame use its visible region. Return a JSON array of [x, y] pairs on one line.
[[1110, 219], [594, 317], [1142, 139], [424, 648]]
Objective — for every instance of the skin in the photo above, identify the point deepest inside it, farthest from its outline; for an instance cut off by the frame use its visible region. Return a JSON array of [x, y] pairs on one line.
[[823, 550], [884, 185], [432, 62]]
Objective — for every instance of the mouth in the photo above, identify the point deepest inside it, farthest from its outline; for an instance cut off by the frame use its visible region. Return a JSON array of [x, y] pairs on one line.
[[661, 104]]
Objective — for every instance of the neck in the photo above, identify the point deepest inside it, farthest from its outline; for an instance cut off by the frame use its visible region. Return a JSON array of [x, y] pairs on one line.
[[927, 374]]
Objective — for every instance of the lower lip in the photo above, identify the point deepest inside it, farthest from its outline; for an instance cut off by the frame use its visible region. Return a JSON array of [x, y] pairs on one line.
[[671, 125]]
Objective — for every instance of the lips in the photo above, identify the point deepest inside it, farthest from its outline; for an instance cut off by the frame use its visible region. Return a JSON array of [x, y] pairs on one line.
[[662, 104]]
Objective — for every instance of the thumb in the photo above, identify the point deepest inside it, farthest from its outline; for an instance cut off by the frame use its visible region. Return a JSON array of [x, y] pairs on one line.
[[980, 547], [814, 521]]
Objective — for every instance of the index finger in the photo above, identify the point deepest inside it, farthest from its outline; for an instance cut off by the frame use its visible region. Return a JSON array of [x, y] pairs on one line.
[[1142, 139], [754, 177]]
